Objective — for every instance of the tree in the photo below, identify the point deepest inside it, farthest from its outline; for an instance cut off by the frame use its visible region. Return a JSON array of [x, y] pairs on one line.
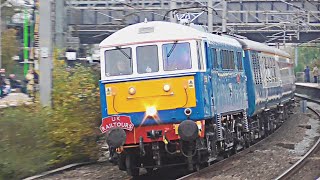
[[308, 56], [10, 48]]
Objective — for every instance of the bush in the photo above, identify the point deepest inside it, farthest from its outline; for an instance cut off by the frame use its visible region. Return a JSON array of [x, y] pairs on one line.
[[33, 139], [76, 113], [24, 142]]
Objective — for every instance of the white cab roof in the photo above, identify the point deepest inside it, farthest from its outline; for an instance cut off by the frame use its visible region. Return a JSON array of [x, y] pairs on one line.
[[160, 31]]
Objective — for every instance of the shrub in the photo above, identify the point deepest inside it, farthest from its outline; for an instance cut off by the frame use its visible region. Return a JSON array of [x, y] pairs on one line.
[[76, 113], [33, 139], [24, 142]]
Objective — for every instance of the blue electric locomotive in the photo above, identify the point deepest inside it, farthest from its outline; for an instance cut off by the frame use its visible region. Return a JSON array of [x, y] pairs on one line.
[[173, 94]]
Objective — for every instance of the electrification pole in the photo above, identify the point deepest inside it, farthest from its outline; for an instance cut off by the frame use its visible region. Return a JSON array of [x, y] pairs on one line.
[[46, 64], [224, 16], [173, 5], [210, 16]]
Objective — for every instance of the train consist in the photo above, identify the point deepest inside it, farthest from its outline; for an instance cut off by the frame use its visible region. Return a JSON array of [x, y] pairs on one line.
[[176, 94]]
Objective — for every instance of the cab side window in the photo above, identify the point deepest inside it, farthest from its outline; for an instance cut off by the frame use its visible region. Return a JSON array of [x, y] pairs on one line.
[[227, 58], [214, 58]]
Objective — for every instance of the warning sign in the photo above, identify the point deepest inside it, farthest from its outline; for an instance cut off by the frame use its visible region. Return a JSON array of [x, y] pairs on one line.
[[190, 83], [108, 91]]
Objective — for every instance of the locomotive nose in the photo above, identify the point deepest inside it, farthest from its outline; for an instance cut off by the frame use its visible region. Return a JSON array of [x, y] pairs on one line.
[[188, 130], [116, 137]]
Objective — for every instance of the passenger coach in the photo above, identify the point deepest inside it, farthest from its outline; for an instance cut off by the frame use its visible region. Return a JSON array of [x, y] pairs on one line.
[[270, 84]]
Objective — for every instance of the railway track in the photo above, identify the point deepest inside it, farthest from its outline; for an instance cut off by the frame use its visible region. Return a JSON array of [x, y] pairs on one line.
[[285, 175], [299, 164]]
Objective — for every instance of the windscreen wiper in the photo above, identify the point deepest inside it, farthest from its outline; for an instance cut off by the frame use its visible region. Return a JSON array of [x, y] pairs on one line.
[[124, 53], [172, 48]]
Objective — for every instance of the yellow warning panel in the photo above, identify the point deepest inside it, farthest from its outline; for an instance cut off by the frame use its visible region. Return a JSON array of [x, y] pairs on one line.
[[162, 94]]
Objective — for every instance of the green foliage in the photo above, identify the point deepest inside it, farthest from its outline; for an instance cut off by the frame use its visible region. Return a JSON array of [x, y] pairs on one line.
[[308, 56], [33, 139], [76, 113], [10, 48], [23, 142]]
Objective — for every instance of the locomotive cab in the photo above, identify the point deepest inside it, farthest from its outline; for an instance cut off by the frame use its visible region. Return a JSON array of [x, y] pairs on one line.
[[151, 93]]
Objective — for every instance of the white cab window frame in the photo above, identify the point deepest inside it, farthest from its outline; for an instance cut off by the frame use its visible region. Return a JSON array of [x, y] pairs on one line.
[[135, 74]]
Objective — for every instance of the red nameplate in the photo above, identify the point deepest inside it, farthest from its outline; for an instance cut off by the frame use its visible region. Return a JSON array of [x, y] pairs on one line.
[[123, 122]]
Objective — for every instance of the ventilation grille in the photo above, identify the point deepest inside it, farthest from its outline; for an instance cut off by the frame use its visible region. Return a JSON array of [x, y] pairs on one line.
[[256, 69]]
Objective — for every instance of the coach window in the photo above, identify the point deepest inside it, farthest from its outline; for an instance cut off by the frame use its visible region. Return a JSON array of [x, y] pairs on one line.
[[214, 58], [147, 59], [176, 56], [118, 61]]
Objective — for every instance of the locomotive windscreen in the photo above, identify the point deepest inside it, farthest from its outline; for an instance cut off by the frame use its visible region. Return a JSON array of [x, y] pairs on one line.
[[176, 56], [147, 59], [118, 62]]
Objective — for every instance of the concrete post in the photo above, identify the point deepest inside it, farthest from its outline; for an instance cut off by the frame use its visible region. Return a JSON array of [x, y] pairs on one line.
[[224, 16], [173, 5], [46, 55], [210, 16]]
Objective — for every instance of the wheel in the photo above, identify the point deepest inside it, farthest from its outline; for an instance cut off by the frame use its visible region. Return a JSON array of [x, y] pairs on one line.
[[131, 165], [122, 162], [247, 140]]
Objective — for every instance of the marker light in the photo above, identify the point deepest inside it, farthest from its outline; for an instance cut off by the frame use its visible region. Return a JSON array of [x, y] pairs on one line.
[[151, 111], [166, 87], [132, 90]]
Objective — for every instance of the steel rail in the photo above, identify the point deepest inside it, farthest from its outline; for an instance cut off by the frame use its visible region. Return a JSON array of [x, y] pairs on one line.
[[299, 164]]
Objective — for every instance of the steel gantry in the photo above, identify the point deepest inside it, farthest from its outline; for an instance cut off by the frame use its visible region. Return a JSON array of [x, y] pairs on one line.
[[269, 21]]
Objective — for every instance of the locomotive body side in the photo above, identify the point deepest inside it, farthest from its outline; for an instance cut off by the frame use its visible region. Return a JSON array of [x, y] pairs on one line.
[[226, 78]]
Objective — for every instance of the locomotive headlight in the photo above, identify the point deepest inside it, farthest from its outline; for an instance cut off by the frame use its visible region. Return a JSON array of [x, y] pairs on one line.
[[166, 87], [132, 91], [151, 111]]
